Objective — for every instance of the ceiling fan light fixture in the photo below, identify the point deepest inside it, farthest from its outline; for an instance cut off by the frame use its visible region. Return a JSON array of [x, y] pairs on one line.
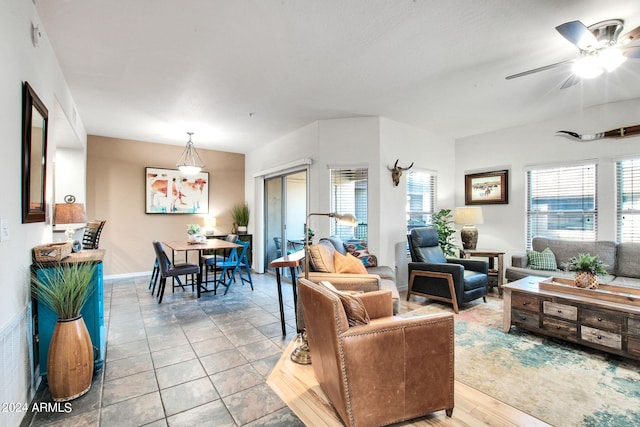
[[611, 58], [190, 162], [587, 67]]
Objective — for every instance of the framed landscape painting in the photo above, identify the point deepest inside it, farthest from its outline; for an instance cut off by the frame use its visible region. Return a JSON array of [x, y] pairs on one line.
[[168, 191], [487, 188]]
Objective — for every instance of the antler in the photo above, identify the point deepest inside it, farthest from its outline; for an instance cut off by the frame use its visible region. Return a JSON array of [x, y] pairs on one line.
[[395, 165], [407, 168], [614, 133]]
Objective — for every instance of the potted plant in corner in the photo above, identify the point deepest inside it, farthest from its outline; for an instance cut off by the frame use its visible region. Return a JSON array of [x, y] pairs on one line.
[[587, 268], [64, 288], [240, 215], [441, 221]]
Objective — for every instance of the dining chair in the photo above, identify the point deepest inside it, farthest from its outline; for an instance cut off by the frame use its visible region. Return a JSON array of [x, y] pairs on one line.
[[167, 270], [277, 241], [154, 277], [234, 264], [91, 236], [210, 261]]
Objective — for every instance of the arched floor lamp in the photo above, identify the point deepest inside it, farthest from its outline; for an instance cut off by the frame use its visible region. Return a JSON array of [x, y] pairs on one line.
[[301, 353]]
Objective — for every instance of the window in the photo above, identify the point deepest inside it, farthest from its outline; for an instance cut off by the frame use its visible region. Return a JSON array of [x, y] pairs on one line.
[[628, 200], [562, 202], [349, 196], [421, 198]]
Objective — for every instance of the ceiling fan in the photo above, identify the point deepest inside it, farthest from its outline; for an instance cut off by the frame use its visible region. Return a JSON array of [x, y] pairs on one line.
[[600, 49]]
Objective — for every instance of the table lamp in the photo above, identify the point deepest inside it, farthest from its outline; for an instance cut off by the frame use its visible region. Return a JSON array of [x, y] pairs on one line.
[[469, 217], [209, 225], [69, 213]]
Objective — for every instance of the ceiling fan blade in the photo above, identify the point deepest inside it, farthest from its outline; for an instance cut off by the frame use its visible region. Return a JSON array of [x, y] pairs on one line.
[[536, 70], [577, 33], [631, 52], [630, 37], [572, 80]]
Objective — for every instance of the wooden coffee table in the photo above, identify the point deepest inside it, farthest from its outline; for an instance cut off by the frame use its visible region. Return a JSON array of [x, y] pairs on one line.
[[607, 318]]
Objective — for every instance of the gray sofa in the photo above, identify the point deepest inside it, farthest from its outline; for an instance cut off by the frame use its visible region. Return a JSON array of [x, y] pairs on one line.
[[622, 260], [322, 268]]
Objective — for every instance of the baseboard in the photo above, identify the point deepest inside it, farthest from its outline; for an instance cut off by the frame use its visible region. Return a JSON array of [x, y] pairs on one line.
[[127, 275]]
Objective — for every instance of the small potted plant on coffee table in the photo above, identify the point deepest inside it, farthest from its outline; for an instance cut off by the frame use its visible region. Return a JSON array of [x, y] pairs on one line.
[[587, 268]]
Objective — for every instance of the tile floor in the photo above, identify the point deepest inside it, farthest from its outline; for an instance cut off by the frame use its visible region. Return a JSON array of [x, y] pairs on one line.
[[185, 362]]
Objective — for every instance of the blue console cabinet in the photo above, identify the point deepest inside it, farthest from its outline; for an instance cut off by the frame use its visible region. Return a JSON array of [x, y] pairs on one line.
[[92, 313]]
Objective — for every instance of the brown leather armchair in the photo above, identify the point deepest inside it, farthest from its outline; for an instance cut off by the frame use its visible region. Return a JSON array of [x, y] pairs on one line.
[[389, 370]]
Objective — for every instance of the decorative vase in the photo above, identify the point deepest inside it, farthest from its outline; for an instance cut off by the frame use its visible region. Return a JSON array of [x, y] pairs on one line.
[[70, 360], [242, 229], [585, 279]]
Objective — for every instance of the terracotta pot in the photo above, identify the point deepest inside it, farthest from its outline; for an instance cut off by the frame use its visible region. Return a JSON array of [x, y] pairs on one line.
[[70, 360]]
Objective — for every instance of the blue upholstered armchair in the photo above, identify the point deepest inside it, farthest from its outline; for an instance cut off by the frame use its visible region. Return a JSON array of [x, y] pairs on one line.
[[434, 276]]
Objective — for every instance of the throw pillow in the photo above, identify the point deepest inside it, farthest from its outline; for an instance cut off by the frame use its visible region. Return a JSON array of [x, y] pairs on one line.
[[366, 258], [321, 257], [544, 260], [347, 264], [353, 306], [358, 248], [355, 245]]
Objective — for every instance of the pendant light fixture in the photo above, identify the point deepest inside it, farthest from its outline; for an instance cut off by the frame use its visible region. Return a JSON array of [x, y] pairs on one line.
[[190, 162]]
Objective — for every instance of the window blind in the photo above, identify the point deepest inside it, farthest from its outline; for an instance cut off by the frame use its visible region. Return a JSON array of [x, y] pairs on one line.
[[628, 200], [349, 196], [421, 198], [562, 202]]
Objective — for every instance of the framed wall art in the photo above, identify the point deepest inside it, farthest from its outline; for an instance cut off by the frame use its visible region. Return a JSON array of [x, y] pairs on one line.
[[168, 191], [487, 188]]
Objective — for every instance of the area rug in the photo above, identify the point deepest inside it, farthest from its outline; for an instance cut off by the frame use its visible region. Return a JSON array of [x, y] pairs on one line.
[[560, 383]]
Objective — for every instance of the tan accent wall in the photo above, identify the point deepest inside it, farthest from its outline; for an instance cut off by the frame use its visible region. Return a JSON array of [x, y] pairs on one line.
[[116, 193]]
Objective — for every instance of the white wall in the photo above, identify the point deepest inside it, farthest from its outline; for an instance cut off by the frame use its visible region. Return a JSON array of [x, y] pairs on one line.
[[370, 142], [71, 177], [21, 61], [516, 148], [428, 151]]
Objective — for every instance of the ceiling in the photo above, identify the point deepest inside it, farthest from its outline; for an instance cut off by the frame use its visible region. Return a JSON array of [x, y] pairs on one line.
[[242, 73]]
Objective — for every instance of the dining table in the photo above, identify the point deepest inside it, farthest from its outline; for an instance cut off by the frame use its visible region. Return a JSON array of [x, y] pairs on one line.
[[200, 247]]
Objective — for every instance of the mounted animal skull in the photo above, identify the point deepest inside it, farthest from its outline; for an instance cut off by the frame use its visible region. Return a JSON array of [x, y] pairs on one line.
[[396, 172]]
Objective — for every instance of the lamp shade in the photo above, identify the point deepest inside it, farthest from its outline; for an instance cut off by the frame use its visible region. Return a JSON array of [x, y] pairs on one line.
[[346, 219], [210, 221], [468, 216], [190, 162], [69, 213]]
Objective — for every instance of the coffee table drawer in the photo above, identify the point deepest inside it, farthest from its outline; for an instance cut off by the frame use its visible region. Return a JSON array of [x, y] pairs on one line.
[[633, 326], [600, 337], [525, 318], [563, 311], [560, 328], [633, 345], [602, 319], [525, 302]]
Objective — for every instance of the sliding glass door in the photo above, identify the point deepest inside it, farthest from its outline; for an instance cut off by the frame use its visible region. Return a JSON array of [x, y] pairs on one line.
[[286, 209]]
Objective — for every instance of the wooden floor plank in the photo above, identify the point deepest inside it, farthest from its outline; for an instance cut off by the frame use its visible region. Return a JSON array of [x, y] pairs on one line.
[[297, 387]]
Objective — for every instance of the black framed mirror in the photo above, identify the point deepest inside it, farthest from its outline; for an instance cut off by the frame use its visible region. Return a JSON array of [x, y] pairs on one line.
[[35, 120]]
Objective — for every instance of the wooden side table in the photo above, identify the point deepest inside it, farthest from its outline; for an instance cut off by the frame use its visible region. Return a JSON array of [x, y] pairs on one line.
[[496, 269], [292, 261]]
